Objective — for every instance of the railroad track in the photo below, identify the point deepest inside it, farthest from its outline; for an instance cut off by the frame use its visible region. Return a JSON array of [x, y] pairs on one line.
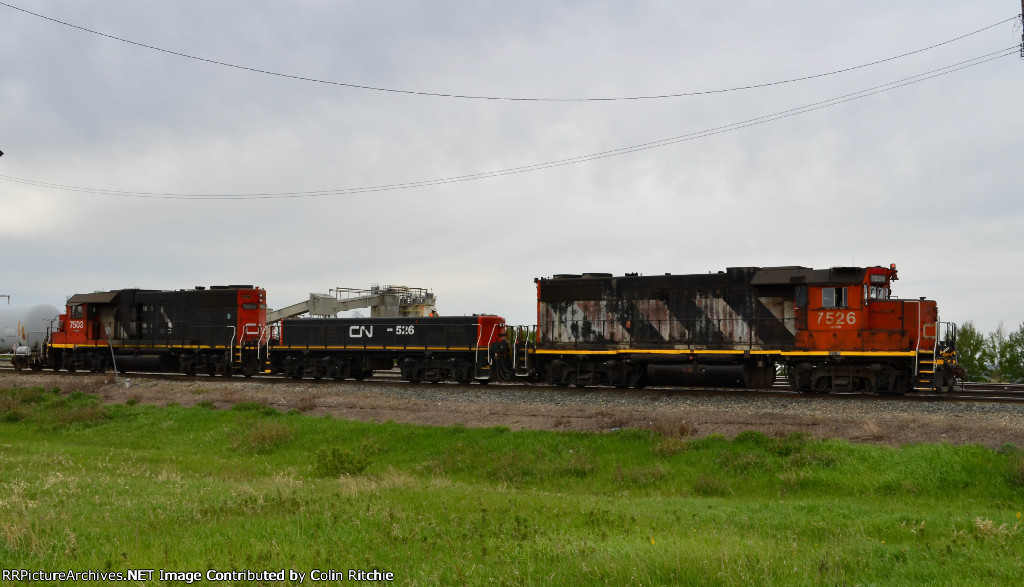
[[969, 392]]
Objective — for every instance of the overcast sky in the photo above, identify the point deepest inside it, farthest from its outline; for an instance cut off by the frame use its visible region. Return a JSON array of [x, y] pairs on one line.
[[926, 176]]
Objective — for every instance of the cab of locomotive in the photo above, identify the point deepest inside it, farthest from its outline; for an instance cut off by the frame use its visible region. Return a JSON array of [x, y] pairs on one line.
[[78, 325], [854, 310], [252, 315], [839, 303]]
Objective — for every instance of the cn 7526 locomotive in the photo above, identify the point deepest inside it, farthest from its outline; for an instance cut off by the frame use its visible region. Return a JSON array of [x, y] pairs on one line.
[[835, 329]]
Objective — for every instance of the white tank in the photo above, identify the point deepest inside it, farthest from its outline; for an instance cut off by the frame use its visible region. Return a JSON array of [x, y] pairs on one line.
[[25, 326]]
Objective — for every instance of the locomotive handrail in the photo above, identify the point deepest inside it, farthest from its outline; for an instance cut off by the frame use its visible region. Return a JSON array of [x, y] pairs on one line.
[[262, 344], [494, 327], [476, 352], [231, 349], [247, 329], [917, 343], [516, 332]]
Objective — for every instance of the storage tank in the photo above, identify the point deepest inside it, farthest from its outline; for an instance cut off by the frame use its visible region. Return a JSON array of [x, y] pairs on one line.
[[25, 326]]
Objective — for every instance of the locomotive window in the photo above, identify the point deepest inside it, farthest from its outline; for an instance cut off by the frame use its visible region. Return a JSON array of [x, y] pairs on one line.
[[76, 311], [879, 293], [833, 297]]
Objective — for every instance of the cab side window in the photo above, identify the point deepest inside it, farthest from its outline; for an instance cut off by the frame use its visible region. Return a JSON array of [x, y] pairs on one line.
[[833, 297]]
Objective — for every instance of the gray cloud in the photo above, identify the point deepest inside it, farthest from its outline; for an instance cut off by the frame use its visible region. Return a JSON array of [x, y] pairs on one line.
[[922, 176]]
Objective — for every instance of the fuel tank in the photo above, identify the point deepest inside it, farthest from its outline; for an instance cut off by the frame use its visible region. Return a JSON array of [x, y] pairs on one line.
[[25, 326]]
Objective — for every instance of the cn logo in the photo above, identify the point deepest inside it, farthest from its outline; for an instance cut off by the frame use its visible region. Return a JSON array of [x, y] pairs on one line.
[[360, 331]]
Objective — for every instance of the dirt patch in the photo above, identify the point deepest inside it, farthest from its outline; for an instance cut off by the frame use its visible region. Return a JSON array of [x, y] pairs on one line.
[[378, 402]]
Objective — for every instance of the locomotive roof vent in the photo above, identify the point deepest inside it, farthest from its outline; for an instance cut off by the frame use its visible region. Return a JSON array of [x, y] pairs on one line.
[[593, 275], [565, 276], [200, 287]]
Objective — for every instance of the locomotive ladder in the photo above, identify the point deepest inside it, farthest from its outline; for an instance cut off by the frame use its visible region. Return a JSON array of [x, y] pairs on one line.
[[926, 362], [924, 380]]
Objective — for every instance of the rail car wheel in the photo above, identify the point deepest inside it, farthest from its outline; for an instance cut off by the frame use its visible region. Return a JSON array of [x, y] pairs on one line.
[[568, 378], [464, 373], [249, 368]]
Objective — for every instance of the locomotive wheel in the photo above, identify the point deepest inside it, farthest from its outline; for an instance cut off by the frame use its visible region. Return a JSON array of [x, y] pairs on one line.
[[249, 368], [464, 374]]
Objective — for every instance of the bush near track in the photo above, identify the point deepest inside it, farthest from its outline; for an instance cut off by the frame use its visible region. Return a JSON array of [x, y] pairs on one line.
[[996, 357], [87, 486]]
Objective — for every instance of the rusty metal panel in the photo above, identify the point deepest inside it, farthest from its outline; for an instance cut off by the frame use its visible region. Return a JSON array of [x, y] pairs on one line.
[[713, 311]]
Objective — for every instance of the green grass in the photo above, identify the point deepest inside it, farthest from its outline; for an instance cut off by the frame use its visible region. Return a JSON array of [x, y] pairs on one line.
[[85, 486]]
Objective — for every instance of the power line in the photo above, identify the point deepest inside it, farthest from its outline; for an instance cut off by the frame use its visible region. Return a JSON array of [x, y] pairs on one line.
[[548, 164], [498, 98]]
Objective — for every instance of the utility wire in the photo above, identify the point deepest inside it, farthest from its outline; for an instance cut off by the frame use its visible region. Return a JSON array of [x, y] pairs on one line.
[[498, 98], [549, 164]]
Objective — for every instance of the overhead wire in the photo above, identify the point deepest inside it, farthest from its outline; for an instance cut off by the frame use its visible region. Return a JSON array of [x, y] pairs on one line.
[[1013, 50], [497, 98]]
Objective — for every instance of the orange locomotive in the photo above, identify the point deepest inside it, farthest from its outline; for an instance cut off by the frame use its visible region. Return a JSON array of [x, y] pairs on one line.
[[829, 330], [213, 331]]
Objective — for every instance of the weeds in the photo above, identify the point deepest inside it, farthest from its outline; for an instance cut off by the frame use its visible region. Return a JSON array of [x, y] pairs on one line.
[[710, 486], [262, 436], [335, 461], [985, 528], [308, 401], [673, 427], [255, 408]]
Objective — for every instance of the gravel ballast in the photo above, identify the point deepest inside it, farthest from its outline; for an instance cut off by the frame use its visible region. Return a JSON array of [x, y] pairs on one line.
[[679, 413]]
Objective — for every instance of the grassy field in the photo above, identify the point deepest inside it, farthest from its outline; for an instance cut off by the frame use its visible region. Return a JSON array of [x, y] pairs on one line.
[[88, 487]]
